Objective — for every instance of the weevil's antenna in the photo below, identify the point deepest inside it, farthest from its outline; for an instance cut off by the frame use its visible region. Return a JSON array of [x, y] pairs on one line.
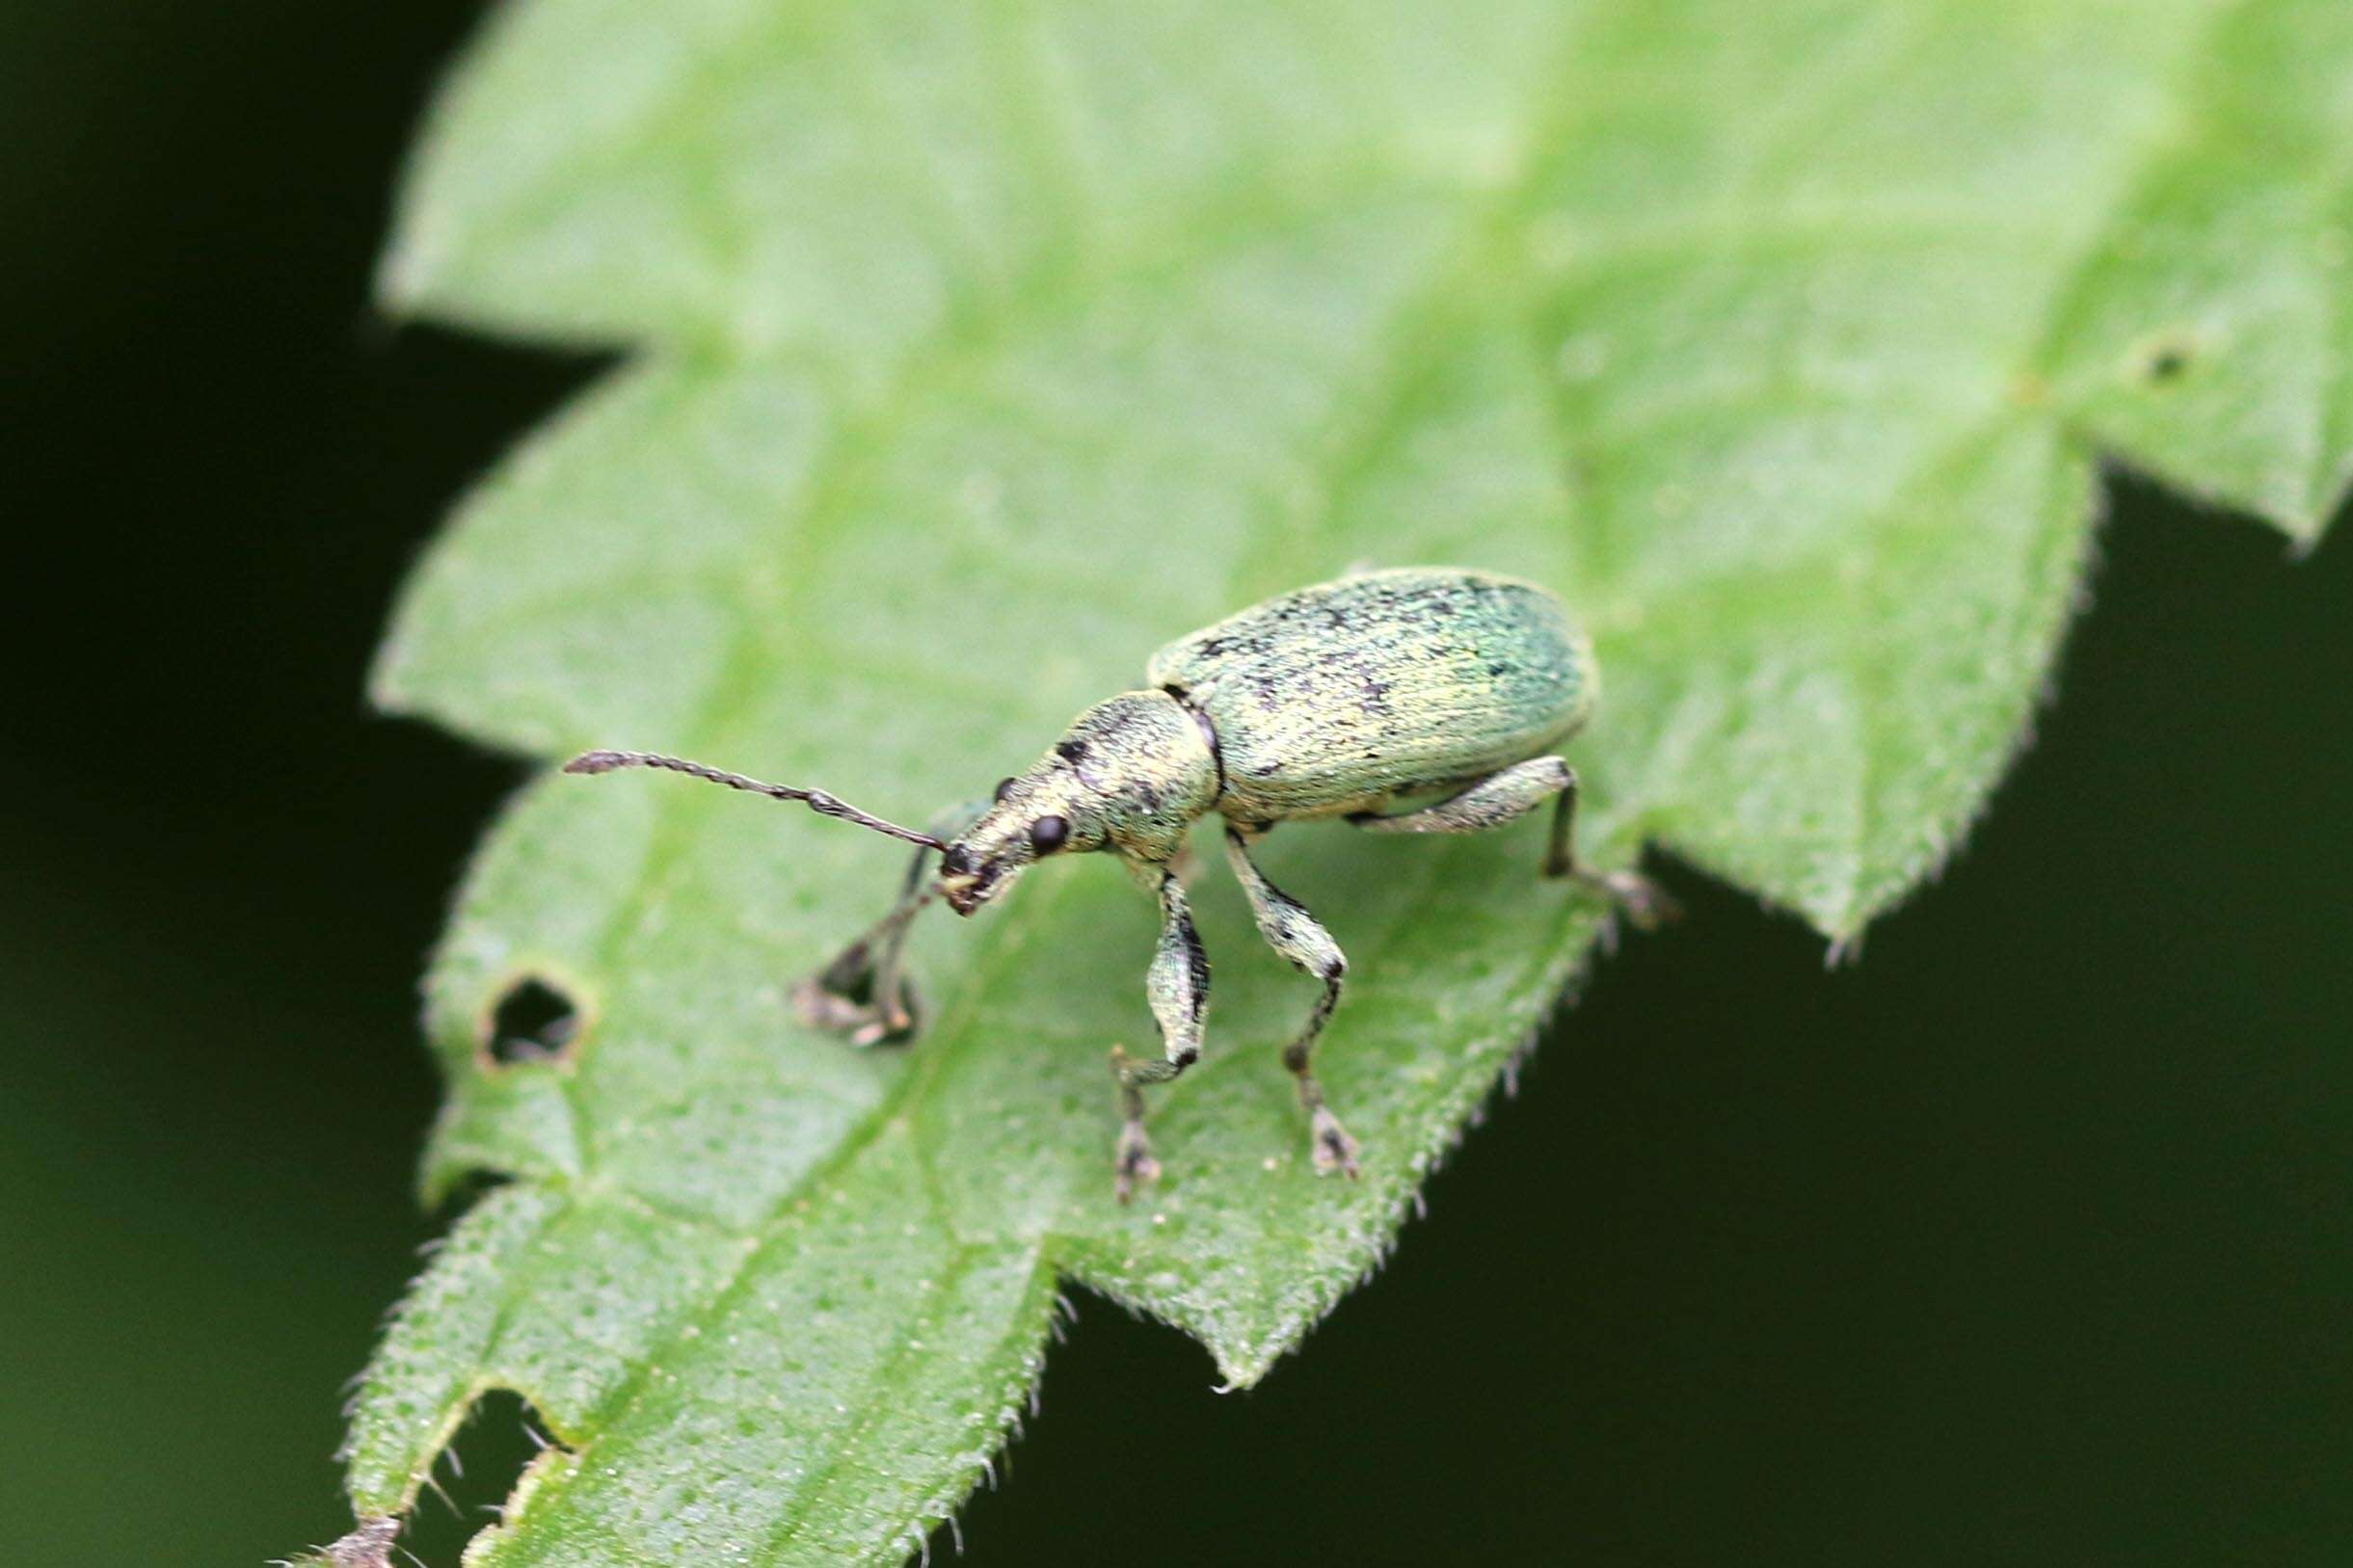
[[816, 800]]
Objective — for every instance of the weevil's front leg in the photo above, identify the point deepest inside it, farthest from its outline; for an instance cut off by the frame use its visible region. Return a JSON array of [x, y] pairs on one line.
[[1499, 797], [1178, 989], [864, 992], [1297, 935]]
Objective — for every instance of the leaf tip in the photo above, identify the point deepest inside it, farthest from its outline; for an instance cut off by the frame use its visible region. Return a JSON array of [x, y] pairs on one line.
[[388, 687], [369, 1545], [2305, 526], [1241, 1364], [403, 282]]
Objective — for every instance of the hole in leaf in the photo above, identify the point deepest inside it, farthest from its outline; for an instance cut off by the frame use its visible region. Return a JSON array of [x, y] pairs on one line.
[[535, 1020], [2164, 359], [468, 1190], [474, 1476]]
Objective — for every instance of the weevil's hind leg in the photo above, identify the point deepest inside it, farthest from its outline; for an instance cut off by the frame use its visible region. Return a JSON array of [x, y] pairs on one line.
[[1178, 989], [1645, 903], [1503, 797], [1300, 937], [864, 992]]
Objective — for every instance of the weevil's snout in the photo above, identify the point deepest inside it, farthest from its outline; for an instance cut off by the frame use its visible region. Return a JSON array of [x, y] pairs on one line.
[[1033, 818], [960, 878], [967, 880]]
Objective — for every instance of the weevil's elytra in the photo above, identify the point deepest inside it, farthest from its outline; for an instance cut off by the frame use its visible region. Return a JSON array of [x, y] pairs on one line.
[[1357, 700]]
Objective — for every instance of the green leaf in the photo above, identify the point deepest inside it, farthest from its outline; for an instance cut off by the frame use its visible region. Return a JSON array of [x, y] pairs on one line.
[[974, 351]]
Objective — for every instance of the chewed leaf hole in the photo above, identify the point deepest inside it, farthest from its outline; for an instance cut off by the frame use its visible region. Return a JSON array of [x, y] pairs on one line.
[[2162, 359], [464, 1192], [475, 1476], [533, 1021]]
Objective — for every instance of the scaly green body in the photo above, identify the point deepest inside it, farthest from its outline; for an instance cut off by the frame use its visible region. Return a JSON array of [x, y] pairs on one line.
[[1344, 697], [1351, 699]]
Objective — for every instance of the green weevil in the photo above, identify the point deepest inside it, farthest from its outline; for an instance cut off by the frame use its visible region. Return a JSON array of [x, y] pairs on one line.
[[1422, 700]]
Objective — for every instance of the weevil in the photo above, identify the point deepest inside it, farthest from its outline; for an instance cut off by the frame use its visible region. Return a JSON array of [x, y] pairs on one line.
[[1421, 699]]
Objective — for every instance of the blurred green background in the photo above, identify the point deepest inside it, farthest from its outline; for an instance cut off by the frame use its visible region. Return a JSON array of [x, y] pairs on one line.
[[2026, 1239]]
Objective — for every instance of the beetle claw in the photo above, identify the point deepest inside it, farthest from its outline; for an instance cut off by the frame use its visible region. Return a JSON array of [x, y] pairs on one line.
[[1333, 1149], [1133, 1162], [1648, 905], [818, 1005]]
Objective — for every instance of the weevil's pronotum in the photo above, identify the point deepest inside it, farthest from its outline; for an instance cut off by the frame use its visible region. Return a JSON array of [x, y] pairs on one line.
[[1425, 700]]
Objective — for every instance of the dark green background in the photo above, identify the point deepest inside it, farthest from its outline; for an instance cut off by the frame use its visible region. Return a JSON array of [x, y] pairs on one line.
[[2026, 1241]]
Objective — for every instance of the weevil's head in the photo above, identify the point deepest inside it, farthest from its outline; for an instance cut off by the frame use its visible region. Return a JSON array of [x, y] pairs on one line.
[[1130, 775]]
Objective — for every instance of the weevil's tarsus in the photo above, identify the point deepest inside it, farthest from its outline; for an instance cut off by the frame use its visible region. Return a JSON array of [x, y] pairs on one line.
[[1132, 1162], [1647, 904], [1328, 1142], [864, 994], [816, 800], [1301, 937]]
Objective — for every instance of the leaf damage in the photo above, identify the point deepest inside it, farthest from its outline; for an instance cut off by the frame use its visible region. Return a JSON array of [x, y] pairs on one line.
[[1044, 335]]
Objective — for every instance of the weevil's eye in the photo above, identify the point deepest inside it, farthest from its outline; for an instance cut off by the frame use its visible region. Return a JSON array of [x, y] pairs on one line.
[[1049, 834], [957, 861], [1004, 787]]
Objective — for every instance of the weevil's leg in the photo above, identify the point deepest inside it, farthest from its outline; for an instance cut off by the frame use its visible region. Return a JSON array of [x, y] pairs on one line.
[[1297, 935], [864, 992], [1645, 903], [1178, 989], [1499, 797]]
